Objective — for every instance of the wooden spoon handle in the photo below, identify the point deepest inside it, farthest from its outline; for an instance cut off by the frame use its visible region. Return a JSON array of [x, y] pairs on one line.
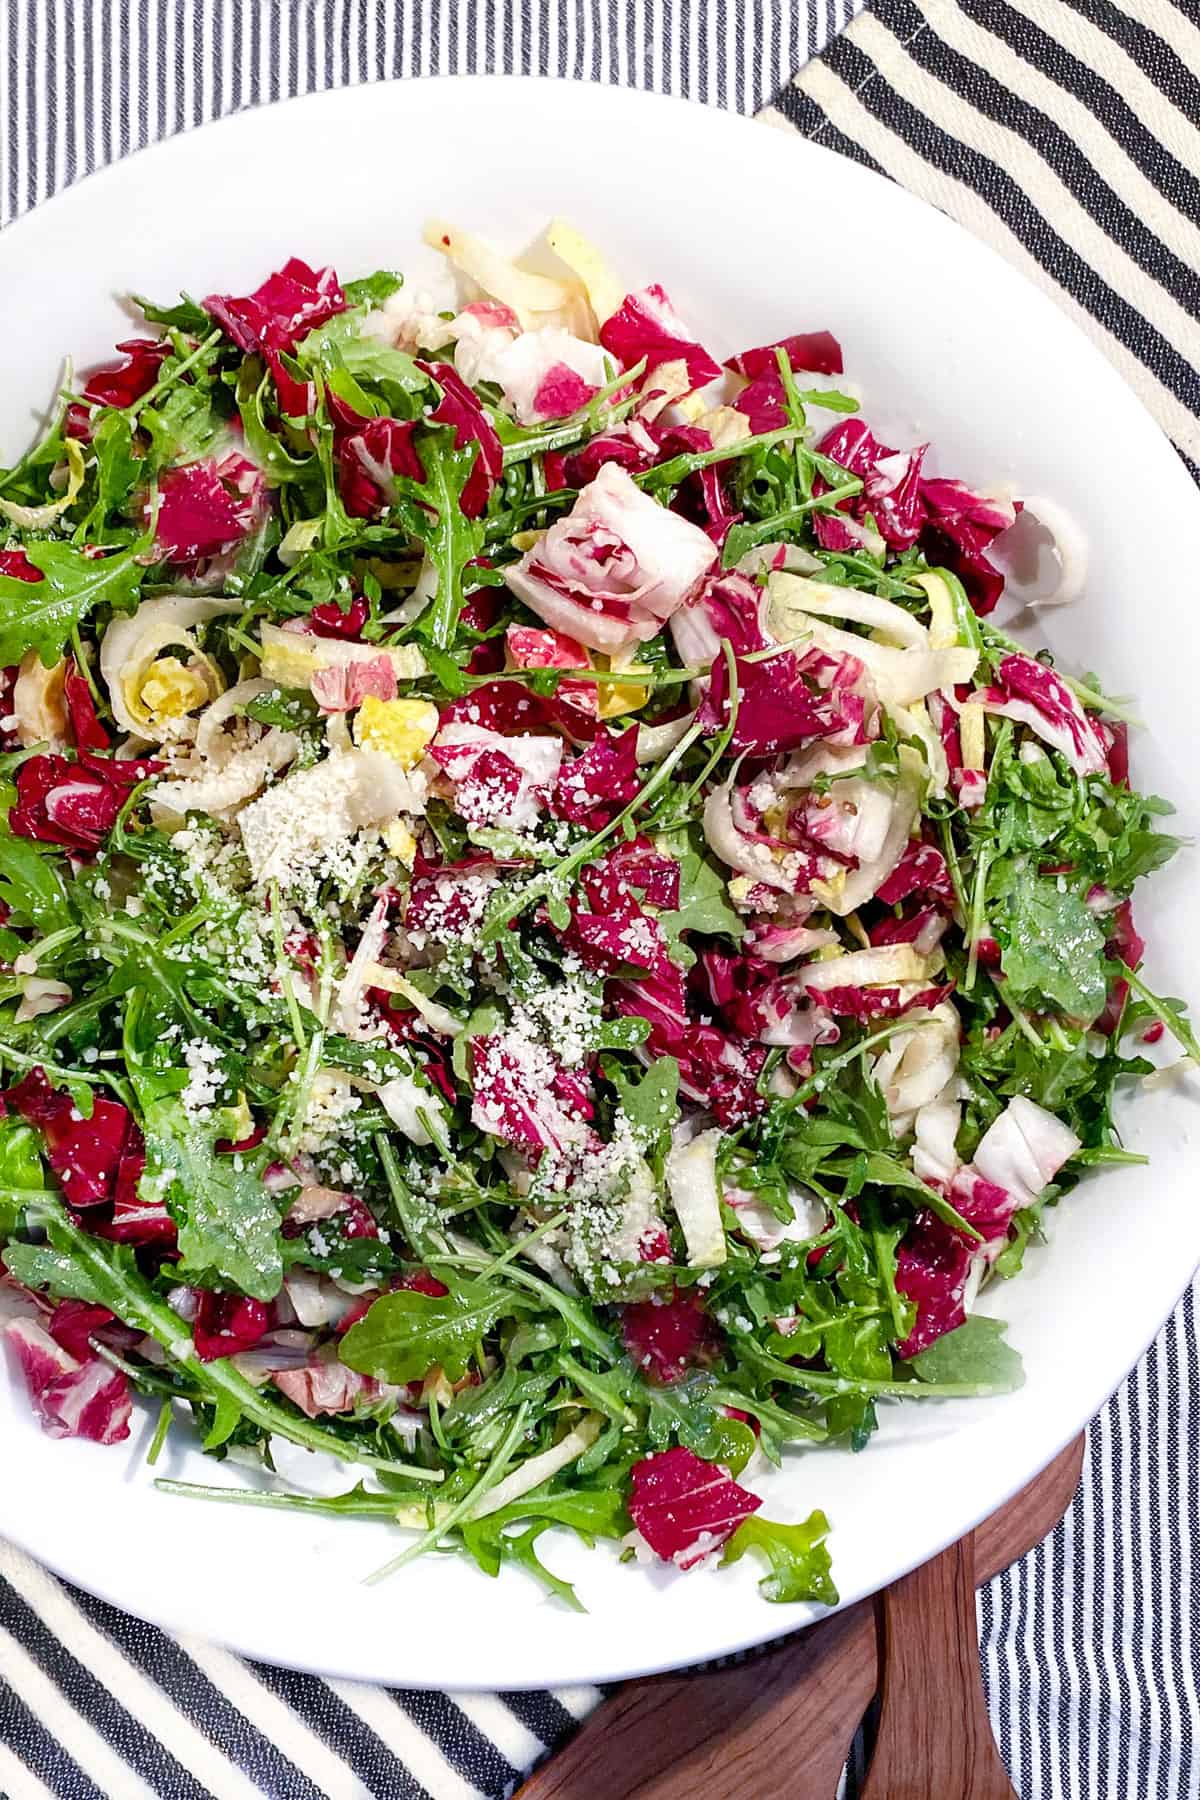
[[780, 1724], [935, 1737]]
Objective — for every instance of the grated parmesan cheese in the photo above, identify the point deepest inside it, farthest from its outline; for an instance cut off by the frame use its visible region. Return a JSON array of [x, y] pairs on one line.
[[318, 810]]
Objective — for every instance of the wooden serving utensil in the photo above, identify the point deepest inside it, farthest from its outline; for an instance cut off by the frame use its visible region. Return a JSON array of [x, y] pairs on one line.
[[782, 1722]]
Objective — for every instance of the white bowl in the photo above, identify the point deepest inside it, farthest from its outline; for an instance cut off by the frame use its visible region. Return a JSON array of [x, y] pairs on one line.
[[754, 234]]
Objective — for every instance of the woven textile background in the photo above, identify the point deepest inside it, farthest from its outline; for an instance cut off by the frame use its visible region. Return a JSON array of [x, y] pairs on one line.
[[1066, 134], [85, 81]]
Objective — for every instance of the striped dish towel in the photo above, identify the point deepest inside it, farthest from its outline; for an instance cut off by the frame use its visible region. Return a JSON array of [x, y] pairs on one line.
[[1063, 134]]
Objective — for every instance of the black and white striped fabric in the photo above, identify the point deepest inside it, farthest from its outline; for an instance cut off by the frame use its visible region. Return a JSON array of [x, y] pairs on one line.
[[83, 82], [1064, 132]]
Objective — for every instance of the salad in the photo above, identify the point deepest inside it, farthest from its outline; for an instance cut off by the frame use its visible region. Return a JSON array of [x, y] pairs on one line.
[[552, 946]]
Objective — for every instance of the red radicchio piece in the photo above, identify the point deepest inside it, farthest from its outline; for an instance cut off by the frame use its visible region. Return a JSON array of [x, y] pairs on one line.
[[719, 520], [85, 1154], [88, 732], [892, 487], [714, 1067], [647, 325], [785, 700], [529, 647], [921, 870], [959, 526], [479, 614], [661, 1000], [509, 707], [346, 685], [745, 991], [984, 1204], [1058, 716], [226, 1324], [460, 408], [584, 465], [57, 803], [448, 900], [123, 774], [288, 305], [420, 1281], [686, 1508], [639, 865], [817, 352], [356, 1218], [1118, 752], [1125, 943], [97, 1160], [924, 928], [945, 723], [75, 804], [120, 384], [634, 445], [329, 620], [369, 458], [135, 1221], [73, 1397], [531, 1108], [17, 566], [953, 525], [877, 1003], [722, 1071], [202, 511], [728, 606], [667, 1337], [764, 403], [488, 784], [594, 786], [561, 391], [73, 1322], [326, 1387], [614, 932], [932, 1265]]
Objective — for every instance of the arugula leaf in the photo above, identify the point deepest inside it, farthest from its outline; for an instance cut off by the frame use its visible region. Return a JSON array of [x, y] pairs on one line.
[[182, 424], [117, 468], [339, 345], [290, 708], [187, 316], [228, 1223], [450, 538], [703, 904], [41, 1266], [591, 1513], [373, 290], [1052, 948], [889, 1171], [22, 1181], [799, 1562], [976, 1351], [406, 1333], [267, 450], [41, 615], [367, 357], [30, 885], [520, 1548], [650, 1103], [20, 1156]]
